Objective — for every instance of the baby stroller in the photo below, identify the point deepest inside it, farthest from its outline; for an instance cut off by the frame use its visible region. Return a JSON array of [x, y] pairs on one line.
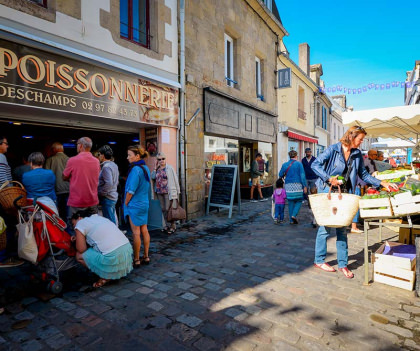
[[55, 252]]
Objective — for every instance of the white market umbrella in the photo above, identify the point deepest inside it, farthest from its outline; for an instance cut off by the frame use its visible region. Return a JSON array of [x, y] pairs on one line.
[[394, 144], [391, 122]]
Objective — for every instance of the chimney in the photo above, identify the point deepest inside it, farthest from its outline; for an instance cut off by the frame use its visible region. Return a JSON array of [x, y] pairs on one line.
[[304, 59]]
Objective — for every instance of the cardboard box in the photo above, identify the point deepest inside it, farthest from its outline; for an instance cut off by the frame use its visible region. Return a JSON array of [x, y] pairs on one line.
[[392, 270], [405, 237]]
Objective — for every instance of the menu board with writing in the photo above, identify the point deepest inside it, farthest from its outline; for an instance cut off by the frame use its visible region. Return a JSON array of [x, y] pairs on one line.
[[224, 180]]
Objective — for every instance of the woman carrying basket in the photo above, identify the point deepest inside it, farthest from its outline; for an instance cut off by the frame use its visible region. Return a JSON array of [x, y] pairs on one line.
[[341, 159]]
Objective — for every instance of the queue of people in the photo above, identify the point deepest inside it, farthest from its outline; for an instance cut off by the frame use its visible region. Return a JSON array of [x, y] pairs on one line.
[[79, 184]]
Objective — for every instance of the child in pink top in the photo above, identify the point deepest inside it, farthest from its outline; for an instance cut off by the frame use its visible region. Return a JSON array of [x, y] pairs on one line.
[[279, 199]]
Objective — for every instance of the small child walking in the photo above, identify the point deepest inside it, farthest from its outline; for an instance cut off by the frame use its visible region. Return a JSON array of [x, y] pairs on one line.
[[279, 199]]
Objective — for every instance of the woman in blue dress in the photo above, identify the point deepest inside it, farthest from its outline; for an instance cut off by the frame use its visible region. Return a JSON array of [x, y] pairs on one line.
[[136, 203]]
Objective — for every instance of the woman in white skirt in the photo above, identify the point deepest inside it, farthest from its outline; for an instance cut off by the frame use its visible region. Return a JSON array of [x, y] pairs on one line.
[[102, 247]]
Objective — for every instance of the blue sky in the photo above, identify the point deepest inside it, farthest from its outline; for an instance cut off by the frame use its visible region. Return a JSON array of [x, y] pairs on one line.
[[357, 43]]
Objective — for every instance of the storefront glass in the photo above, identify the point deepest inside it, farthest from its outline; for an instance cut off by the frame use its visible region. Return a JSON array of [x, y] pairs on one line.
[[266, 150], [217, 151]]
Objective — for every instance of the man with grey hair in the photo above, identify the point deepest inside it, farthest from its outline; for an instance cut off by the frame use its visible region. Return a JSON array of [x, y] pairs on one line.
[[57, 163], [82, 171], [5, 171]]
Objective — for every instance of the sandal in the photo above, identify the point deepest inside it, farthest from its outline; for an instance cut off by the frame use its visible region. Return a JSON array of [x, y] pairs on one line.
[[137, 263], [171, 231], [164, 230], [295, 221], [145, 260], [347, 272], [325, 267], [100, 283]]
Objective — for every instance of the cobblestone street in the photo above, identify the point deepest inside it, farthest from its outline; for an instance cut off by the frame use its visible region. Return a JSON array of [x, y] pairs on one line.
[[222, 284]]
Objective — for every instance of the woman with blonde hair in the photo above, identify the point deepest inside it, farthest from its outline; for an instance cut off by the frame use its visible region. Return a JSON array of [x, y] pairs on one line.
[[136, 201], [341, 159]]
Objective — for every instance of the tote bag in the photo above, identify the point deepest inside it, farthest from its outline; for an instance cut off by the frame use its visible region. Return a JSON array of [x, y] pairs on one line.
[[27, 248]]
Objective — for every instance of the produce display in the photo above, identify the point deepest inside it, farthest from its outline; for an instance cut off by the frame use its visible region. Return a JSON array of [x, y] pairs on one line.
[[395, 173]]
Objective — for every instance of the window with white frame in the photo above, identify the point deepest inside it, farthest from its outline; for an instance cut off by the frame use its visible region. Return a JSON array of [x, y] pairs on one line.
[[269, 4], [258, 79], [229, 61]]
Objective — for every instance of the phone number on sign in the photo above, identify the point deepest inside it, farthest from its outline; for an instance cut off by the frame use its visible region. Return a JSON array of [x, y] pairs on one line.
[[98, 107]]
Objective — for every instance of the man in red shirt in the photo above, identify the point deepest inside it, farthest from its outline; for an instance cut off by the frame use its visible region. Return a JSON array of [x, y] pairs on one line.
[[82, 171]]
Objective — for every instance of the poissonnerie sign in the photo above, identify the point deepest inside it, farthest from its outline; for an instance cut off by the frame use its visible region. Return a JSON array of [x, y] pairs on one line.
[[37, 78]]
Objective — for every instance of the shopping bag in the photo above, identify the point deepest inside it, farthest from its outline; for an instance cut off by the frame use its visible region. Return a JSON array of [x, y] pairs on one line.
[[27, 248]]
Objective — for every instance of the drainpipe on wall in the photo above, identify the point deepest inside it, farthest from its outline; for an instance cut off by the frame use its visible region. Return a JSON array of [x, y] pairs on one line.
[[183, 166]]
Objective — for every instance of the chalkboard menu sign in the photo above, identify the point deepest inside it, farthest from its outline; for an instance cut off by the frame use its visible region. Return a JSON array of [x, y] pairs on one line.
[[224, 180]]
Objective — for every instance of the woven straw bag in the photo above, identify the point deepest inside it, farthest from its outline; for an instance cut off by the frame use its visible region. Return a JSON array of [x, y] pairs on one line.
[[334, 209], [8, 194], [3, 235]]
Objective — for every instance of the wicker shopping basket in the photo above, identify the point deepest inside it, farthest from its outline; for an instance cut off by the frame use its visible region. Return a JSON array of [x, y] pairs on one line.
[[334, 209], [9, 192], [3, 234]]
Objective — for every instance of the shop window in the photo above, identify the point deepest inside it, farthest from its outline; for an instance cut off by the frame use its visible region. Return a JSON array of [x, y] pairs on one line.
[[135, 22], [229, 61], [42, 3], [324, 117], [258, 79]]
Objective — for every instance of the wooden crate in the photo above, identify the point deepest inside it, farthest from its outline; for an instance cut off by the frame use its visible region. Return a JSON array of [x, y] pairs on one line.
[[370, 208], [392, 270], [405, 237]]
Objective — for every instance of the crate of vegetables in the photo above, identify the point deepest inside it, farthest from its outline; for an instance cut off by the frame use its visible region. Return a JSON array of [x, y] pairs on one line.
[[396, 173], [407, 201], [375, 204]]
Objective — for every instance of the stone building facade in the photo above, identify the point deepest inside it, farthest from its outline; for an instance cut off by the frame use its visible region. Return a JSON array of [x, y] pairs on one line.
[[230, 51], [119, 73]]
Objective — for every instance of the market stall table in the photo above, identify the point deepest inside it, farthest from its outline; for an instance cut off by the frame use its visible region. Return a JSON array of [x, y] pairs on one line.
[[379, 222]]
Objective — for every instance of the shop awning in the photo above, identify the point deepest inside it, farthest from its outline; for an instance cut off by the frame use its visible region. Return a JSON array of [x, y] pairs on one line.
[[297, 136]]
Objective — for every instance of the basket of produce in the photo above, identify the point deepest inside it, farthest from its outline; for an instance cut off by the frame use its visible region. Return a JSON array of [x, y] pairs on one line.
[[9, 192], [334, 209]]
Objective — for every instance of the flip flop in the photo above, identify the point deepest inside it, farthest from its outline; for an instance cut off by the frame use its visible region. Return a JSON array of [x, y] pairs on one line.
[[347, 272], [164, 230], [100, 283], [325, 267], [171, 231]]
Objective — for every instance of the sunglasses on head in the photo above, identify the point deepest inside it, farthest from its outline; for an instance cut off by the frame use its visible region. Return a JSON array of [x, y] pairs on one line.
[[161, 159], [361, 129]]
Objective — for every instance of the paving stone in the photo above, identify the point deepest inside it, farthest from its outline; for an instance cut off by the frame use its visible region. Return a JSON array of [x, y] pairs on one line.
[[171, 274], [158, 295], [397, 330], [2, 340], [47, 332], [107, 298], [163, 287], [310, 330], [92, 320], [205, 344], [412, 309], [100, 308], [189, 296], [227, 271], [24, 315], [214, 331], [237, 328], [182, 332], [31, 345], [29, 300], [212, 286], [411, 344], [78, 313], [190, 321], [155, 306], [160, 321], [184, 286], [229, 291], [217, 280], [19, 336], [144, 290], [58, 341], [288, 335], [149, 283], [66, 306], [124, 293]]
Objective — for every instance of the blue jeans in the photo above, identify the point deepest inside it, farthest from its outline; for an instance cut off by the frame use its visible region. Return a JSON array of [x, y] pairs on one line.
[[108, 209], [279, 211], [321, 242], [294, 207], [356, 217]]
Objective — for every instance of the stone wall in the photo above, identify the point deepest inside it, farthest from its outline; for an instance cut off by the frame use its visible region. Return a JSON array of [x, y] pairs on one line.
[[206, 23]]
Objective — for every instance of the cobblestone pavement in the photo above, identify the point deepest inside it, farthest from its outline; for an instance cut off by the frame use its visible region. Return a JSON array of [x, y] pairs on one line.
[[219, 284]]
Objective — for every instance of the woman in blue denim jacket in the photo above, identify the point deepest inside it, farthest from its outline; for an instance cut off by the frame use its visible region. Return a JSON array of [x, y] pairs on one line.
[[345, 159]]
